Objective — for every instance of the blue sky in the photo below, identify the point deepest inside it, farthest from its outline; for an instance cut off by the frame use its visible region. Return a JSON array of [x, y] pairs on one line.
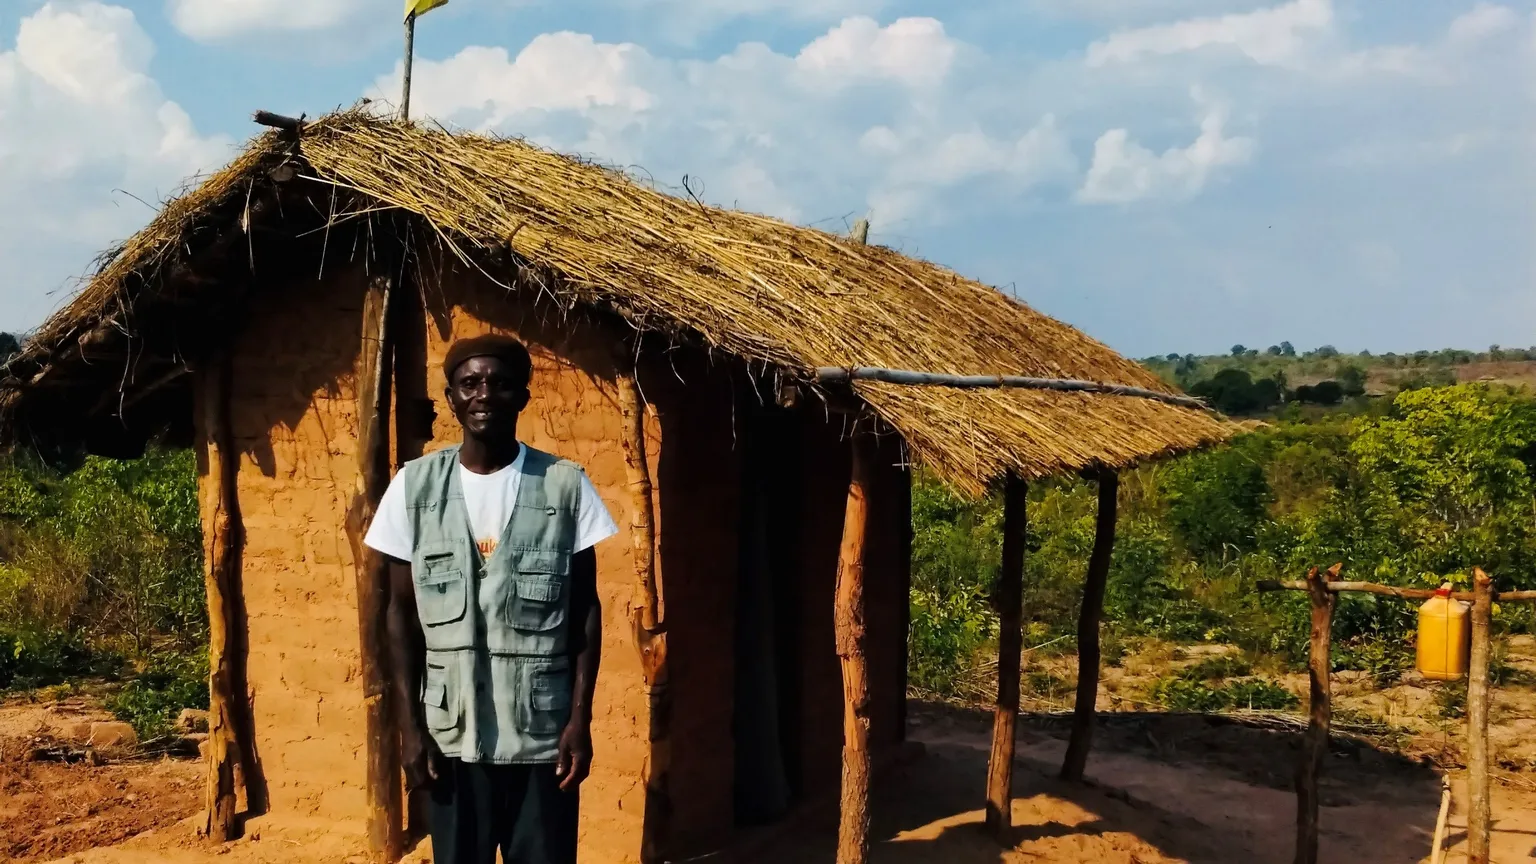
[[1169, 175]]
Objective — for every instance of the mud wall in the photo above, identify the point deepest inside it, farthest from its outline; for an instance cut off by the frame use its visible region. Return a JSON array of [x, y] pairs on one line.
[[294, 421]]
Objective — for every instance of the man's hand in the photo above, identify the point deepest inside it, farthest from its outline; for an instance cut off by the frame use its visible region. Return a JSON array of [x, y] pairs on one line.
[[420, 758], [575, 753]]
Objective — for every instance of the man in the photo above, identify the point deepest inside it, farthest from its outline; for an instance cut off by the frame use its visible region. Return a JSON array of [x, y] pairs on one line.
[[494, 622]]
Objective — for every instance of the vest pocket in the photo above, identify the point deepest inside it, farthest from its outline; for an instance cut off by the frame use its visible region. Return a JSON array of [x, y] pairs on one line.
[[536, 605], [549, 703], [441, 698], [440, 597]]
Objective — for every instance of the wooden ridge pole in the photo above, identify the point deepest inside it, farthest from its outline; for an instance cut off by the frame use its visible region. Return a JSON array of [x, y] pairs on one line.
[[1479, 789], [223, 560], [1314, 745], [1009, 601], [1075, 765], [646, 622], [385, 825], [853, 827]]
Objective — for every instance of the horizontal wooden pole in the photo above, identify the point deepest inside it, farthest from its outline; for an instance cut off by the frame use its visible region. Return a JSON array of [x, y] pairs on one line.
[[1390, 591], [278, 121], [845, 374]]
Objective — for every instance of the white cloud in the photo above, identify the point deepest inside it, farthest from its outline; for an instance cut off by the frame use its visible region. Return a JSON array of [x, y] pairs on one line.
[[863, 115], [212, 20], [915, 51], [79, 118], [1124, 171], [1485, 19], [555, 72], [1275, 36], [714, 11], [1132, 12]]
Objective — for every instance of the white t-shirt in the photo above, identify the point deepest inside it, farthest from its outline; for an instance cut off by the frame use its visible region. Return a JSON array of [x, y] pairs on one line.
[[489, 499]]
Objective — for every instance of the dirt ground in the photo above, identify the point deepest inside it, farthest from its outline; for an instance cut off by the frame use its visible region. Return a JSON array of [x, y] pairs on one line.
[[52, 808], [1164, 788]]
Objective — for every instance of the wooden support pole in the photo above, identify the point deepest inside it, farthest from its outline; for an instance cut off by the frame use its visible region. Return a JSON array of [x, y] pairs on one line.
[[853, 828], [1075, 765], [1009, 601], [646, 622], [1314, 746], [413, 418], [224, 543], [385, 824], [1479, 788]]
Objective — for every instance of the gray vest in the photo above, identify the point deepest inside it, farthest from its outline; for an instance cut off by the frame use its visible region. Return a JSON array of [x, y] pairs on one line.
[[498, 678]]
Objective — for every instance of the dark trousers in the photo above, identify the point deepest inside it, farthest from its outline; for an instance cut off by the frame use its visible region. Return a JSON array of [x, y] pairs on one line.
[[476, 809]]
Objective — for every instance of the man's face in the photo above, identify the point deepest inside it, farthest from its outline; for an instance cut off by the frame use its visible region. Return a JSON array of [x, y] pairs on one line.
[[486, 397]]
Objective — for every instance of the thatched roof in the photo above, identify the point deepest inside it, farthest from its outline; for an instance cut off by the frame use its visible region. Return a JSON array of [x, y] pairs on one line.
[[751, 286]]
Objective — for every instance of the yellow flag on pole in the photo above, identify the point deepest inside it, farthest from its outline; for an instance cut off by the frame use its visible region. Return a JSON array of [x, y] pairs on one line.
[[422, 7]]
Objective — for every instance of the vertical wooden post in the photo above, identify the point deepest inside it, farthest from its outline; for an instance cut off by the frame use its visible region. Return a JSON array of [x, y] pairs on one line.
[[223, 558], [410, 60], [853, 829], [646, 622], [1479, 789], [1009, 601], [385, 826], [1314, 746], [1075, 764], [413, 419]]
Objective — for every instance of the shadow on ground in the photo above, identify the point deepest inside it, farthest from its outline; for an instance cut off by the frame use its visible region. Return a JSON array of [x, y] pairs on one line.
[[1162, 788]]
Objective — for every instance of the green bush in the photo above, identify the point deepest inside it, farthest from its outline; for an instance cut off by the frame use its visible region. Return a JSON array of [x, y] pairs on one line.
[[110, 551], [1179, 694], [1182, 693], [1259, 694], [1218, 668], [153, 698], [32, 659]]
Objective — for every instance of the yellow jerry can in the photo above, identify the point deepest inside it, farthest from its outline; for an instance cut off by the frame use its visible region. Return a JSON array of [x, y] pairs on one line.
[[1445, 636]]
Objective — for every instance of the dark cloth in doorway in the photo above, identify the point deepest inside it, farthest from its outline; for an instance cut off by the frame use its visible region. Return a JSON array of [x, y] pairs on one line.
[[475, 809]]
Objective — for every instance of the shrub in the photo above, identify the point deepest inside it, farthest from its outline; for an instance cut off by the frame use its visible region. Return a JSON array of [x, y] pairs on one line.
[[151, 701], [1181, 693], [42, 658], [1258, 694]]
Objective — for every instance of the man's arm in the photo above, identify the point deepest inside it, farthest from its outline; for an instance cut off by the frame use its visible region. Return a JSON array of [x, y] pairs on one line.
[[408, 651], [587, 650]]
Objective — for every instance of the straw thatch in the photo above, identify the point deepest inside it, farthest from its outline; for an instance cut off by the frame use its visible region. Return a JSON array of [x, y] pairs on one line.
[[792, 297]]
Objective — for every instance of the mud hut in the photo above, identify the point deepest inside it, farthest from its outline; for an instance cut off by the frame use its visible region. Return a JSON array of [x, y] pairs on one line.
[[288, 315]]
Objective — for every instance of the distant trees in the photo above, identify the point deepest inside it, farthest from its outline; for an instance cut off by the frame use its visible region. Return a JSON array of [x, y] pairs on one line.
[[1352, 379], [1233, 391], [1321, 393], [1287, 350], [1238, 350]]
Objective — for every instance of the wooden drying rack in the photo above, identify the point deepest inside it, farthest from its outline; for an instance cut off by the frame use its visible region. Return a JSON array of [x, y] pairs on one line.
[[1323, 588]]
